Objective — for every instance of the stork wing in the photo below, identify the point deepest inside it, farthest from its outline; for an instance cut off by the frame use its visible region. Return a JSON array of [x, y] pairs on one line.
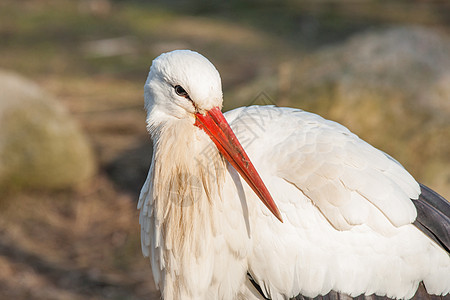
[[350, 182], [347, 210]]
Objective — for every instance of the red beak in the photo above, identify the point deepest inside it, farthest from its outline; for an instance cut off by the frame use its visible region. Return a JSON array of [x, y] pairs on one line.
[[218, 129]]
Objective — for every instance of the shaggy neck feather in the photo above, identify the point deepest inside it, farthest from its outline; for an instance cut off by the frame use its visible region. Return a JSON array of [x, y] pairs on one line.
[[187, 179]]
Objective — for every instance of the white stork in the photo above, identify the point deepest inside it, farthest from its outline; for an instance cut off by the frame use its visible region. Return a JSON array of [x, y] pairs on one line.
[[348, 218]]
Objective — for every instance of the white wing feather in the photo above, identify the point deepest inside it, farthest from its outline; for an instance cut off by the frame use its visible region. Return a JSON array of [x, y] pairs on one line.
[[340, 173], [320, 174]]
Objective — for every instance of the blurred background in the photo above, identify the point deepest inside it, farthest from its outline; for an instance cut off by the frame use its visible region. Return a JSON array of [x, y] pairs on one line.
[[74, 150]]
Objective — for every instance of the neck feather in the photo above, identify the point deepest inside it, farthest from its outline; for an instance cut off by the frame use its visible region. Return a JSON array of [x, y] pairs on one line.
[[188, 174]]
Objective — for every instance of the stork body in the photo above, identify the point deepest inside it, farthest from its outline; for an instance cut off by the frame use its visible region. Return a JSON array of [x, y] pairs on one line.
[[347, 208]]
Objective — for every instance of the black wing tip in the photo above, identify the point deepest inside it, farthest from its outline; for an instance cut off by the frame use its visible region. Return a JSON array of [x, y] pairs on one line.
[[433, 216], [435, 199]]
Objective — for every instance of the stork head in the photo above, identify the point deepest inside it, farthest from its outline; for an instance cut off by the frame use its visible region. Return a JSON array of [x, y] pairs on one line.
[[180, 84], [183, 85]]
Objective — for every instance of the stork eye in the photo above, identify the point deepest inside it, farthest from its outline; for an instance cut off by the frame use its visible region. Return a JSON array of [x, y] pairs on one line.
[[180, 91]]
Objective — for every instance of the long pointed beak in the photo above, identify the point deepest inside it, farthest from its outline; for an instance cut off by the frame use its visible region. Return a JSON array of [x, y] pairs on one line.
[[216, 126]]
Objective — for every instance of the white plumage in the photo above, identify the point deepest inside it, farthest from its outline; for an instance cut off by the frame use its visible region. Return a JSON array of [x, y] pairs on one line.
[[346, 206]]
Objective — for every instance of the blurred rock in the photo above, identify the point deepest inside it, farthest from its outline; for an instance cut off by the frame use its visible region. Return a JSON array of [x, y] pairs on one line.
[[391, 87], [40, 145], [408, 62]]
